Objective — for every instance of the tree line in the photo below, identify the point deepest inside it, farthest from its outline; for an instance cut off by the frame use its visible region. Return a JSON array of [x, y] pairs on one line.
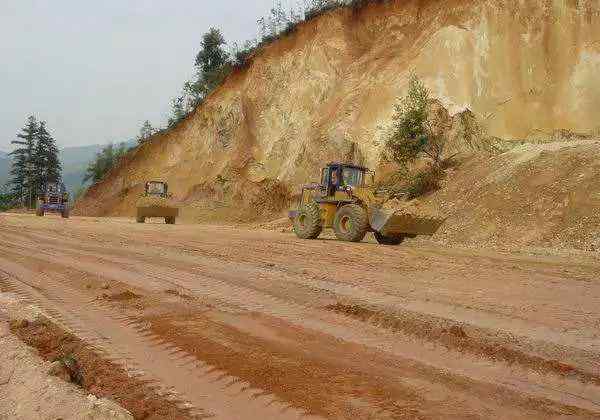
[[35, 162]]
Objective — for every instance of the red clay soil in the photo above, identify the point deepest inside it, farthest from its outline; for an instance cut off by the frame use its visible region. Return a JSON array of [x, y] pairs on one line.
[[96, 375]]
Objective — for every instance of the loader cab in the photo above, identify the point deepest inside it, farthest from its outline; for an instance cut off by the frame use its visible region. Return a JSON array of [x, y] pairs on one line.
[[340, 176], [157, 188]]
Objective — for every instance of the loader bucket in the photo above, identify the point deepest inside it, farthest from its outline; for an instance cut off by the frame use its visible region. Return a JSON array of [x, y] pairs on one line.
[[397, 223]]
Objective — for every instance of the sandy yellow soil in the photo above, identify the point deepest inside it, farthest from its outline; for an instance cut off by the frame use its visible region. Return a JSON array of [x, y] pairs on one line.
[[258, 324]]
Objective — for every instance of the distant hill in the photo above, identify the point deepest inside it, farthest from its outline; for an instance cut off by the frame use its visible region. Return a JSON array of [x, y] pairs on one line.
[[74, 160], [4, 169]]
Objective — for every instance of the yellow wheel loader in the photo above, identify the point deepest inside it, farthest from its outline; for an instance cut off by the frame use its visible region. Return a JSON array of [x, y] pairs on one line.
[[343, 201], [155, 202]]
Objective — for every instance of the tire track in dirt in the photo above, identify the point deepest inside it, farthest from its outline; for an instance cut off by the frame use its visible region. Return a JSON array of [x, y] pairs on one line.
[[220, 290], [174, 372], [408, 316]]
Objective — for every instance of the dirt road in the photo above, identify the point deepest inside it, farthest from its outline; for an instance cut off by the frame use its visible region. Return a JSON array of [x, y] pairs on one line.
[[241, 324]]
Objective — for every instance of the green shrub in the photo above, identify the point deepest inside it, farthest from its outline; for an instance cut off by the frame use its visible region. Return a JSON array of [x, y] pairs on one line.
[[425, 181]]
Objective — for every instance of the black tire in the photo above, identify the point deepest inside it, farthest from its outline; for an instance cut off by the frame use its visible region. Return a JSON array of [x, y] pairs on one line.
[[389, 240], [170, 220], [351, 223], [66, 213], [308, 223], [140, 219]]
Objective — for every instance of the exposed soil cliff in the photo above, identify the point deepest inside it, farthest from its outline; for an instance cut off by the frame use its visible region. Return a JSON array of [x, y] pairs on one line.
[[509, 71]]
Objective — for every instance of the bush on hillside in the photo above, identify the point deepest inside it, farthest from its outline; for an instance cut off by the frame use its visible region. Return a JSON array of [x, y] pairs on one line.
[[424, 181], [104, 161], [415, 134]]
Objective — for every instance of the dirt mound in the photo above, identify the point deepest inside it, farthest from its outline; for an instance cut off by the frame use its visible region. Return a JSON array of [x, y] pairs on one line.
[[534, 195]]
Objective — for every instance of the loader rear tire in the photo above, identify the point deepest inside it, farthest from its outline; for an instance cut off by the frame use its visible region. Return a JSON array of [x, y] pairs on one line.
[[66, 212], [38, 210], [170, 220], [308, 223], [389, 240], [351, 223], [140, 219]]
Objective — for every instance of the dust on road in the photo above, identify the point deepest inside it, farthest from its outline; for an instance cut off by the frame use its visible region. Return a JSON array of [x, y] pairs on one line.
[[237, 323]]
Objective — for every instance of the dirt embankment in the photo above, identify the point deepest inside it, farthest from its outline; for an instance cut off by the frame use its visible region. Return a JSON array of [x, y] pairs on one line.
[[525, 73]]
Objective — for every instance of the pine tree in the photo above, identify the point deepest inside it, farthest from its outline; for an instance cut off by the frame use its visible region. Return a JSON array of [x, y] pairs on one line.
[[45, 157], [145, 132], [23, 170]]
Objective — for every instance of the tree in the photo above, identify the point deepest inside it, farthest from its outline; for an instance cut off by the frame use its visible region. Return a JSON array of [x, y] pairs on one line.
[[145, 132], [45, 157], [6, 201], [212, 58], [104, 161], [413, 132], [23, 171], [177, 111], [212, 66]]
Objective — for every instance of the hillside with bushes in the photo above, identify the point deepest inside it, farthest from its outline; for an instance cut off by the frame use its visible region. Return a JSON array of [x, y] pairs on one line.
[[510, 79]]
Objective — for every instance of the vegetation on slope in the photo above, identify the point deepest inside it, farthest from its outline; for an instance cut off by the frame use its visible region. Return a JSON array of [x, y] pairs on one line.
[[214, 63], [414, 134]]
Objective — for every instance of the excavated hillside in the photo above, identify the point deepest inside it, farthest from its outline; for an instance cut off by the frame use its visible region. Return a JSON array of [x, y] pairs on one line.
[[516, 76]]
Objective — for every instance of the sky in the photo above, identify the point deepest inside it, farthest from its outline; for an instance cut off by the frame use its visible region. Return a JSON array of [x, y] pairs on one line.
[[96, 70]]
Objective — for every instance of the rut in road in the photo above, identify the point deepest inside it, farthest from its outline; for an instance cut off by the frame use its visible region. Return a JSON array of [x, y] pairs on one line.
[[387, 307], [247, 292], [122, 340], [249, 300]]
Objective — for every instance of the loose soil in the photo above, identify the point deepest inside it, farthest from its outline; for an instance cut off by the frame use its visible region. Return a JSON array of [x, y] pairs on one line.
[[255, 324], [99, 377]]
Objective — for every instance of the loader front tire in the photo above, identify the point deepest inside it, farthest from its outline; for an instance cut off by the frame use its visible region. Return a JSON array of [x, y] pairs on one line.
[[389, 240], [140, 219], [351, 223], [170, 220], [308, 223]]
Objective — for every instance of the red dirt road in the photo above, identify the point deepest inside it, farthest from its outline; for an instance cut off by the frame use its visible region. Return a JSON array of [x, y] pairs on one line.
[[254, 324]]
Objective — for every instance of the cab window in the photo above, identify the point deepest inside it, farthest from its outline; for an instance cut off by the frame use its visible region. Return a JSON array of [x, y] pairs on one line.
[[156, 188], [352, 177]]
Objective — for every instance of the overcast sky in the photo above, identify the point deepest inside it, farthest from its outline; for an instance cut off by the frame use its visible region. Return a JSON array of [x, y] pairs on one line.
[[95, 70]]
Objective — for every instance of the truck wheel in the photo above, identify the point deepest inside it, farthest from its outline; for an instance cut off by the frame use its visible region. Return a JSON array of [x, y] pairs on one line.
[[308, 223], [66, 212], [140, 219], [351, 223], [170, 220], [389, 240]]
